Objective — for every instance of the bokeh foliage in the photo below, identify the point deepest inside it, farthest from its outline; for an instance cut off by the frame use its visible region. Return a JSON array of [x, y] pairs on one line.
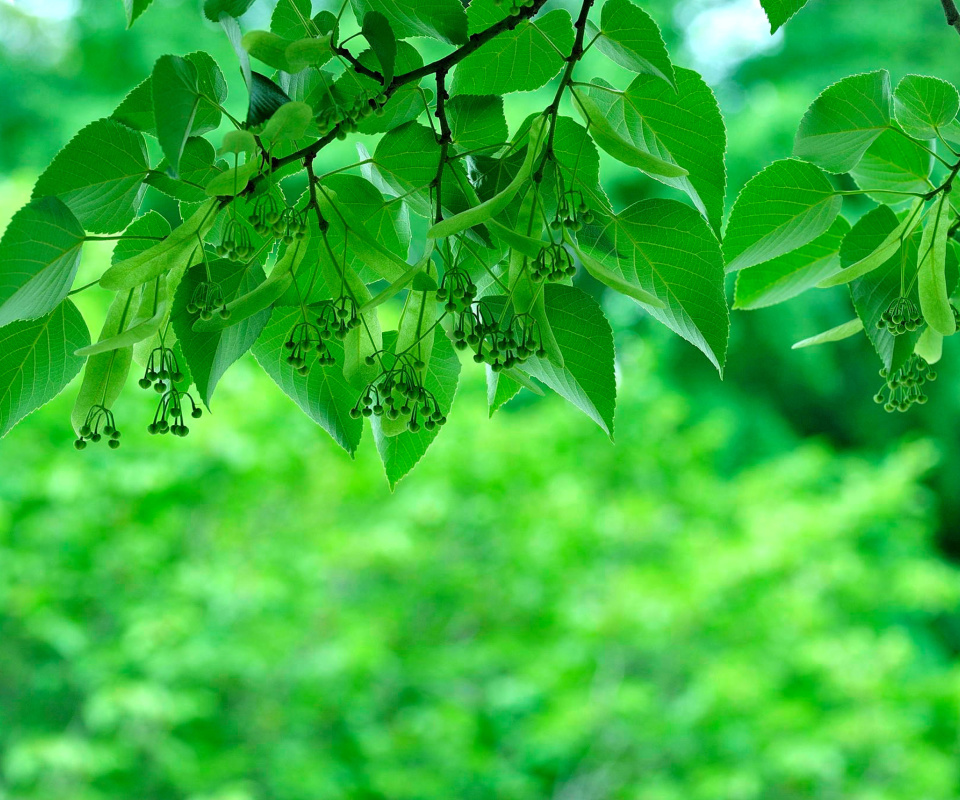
[[711, 608]]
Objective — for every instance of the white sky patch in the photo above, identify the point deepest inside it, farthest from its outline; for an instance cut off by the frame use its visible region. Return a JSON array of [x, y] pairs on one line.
[[52, 10], [722, 34]]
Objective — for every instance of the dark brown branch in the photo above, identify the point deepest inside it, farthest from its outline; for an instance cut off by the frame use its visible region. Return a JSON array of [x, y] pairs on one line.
[[952, 13], [357, 66], [444, 139]]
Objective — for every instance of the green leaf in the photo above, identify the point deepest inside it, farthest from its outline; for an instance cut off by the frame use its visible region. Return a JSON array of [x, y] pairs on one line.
[[99, 176], [608, 138], [197, 169], [837, 334], [520, 60], [779, 11], [786, 276], [232, 8], [584, 336], [406, 159], [324, 394], [172, 253], [666, 248], [134, 8], [923, 105], [932, 270], [884, 250], [265, 98], [37, 361], [445, 20], [377, 31], [176, 98], [289, 123], [137, 109], [779, 210], [630, 38], [874, 292], [291, 19], [501, 389], [39, 256], [682, 127], [477, 121], [844, 121], [210, 355], [894, 163], [401, 453]]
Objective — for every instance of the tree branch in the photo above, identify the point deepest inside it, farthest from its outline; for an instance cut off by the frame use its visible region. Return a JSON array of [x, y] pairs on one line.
[[441, 65], [952, 14]]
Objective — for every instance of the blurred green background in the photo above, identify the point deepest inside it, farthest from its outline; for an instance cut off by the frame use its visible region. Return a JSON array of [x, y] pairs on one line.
[[752, 594]]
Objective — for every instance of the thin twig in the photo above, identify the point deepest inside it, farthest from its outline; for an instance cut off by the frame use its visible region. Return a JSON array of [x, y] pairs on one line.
[[952, 14]]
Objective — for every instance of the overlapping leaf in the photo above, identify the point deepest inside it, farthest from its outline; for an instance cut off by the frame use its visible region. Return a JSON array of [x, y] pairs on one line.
[[39, 256], [666, 248], [99, 176], [784, 207], [37, 361]]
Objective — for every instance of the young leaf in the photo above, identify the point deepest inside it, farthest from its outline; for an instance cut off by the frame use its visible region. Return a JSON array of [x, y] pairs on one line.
[[894, 163], [377, 31], [445, 20], [134, 8], [324, 394], [837, 334], [630, 38], [683, 127], [477, 121], [268, 48], [99, 176], [401, 453], [519, 60], [923, 105], [844, 121], [232, 8], [174, 252], [210, 355], [39, 256], [786, 276], [932, 270], [37, 361], [583, 334], [779, 11], [883, 251], [781, 209], [666, 248]]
